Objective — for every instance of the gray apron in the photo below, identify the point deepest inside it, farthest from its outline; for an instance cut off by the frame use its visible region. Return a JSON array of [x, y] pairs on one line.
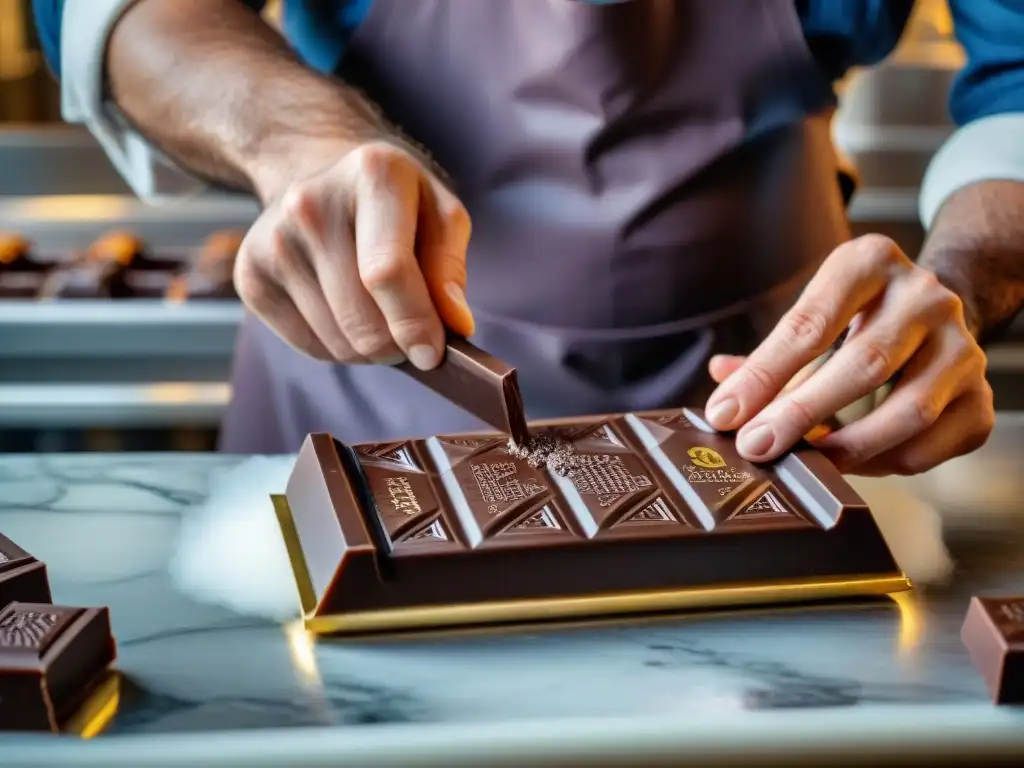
[[650, 183]]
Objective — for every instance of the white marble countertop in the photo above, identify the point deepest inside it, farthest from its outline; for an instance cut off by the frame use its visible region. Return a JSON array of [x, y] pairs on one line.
[[208, 686]]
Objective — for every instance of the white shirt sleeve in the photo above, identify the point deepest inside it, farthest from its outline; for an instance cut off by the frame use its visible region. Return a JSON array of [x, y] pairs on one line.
[[988, 149], [150, 174]]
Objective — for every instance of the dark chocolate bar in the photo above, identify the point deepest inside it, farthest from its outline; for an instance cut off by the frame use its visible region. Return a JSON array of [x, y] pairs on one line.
[[623, 514], [993, 632], [22, 577], [51, 658], [478, 383]]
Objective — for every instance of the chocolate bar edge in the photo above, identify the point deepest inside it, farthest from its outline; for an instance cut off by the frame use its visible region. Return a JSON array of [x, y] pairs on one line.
[[998, 662], [320, 618], [567, 608]]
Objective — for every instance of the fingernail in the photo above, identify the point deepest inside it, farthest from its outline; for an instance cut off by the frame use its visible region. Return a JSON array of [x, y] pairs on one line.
[[454, 290], [721, 414], [757, 441], [465, 324], [424, 357]]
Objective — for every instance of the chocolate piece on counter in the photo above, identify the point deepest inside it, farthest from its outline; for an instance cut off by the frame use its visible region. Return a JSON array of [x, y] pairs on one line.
[[88, 280], [478, 383], [51, 658], [22, 577], [640, 512], [994, 635]]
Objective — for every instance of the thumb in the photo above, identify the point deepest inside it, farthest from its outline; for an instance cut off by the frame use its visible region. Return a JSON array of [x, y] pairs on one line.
[[722, 367], [442, 240]]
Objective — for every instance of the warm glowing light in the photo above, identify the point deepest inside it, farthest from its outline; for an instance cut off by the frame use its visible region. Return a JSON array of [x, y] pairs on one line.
[[911, 620], [302, 646], [176, 394]]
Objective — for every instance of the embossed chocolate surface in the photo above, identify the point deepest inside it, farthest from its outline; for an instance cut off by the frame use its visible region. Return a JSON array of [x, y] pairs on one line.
[[653, 504], [51, 657], [993, 632], [22, 577]]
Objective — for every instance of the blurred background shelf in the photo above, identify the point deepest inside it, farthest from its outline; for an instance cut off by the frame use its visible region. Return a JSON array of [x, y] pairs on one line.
[[149, 375]]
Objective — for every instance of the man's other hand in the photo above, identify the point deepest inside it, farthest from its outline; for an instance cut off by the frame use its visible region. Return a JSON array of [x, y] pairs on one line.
[[903, 324]]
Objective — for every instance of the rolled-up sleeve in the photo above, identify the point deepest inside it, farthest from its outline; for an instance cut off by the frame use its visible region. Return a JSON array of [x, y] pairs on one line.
[[74, 36], [987, 103]]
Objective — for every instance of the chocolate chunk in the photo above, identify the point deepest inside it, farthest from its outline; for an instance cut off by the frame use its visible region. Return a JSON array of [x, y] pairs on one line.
[[51, 658], [993, 632], [621, 514], [478, 383], [22, 577]]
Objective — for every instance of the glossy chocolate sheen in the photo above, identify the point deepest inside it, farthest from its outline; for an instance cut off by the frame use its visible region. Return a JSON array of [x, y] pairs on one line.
[[655, 501], [478, 383], [51, 657], [993, 632], [22, 577]]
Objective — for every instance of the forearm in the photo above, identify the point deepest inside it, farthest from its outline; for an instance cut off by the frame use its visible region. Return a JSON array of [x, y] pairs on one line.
[[976, 247], [217, 89]]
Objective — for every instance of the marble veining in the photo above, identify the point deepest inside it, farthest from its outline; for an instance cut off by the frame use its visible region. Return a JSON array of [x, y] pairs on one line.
[[107, 526]]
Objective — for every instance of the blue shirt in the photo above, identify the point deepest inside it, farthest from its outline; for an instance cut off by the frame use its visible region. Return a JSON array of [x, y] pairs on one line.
[[841, 33]]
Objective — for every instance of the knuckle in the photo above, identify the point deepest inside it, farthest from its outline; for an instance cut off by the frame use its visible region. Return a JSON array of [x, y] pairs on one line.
[[408, 330], [925, 410], [874, 364], [762, 377], [370, 342], [457, 222], [971, 359], [880, 251], [251, 285], [284, 258], [380, 160], [799, 412], [909, 464], [299, 202], [807, 327], [947, 305], [382, 271]]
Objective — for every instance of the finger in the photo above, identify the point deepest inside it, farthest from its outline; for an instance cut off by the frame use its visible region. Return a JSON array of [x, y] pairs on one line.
[[941, 371], [321, 224], [386, 214], [271, 304], [722, 367], [884, 341], [963, 427], [292, 271], [443, 237], [851, 277]]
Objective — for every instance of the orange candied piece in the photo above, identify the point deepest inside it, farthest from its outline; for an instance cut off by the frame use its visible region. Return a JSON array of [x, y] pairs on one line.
[[13, 248], [120, 247]]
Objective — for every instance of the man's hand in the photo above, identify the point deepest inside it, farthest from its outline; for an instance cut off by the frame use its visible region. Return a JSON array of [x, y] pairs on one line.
[[364, 261], [902, 322]]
